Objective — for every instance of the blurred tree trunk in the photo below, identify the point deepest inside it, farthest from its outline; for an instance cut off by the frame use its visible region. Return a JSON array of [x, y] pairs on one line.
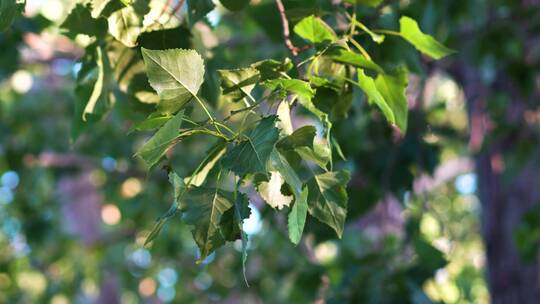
[[504, 196]]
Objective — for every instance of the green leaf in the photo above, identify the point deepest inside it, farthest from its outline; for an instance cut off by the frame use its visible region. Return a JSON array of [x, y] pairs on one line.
[[152, 151], [125, 25], [297, 217], [212, 157], [344, 56], [9, 10], [90, 89], [98, 102], [203, 208], [198, 9], [393, 88], [371, 3], [152, 122], [251, 155], [238, 84], [232, 224], [320, 154], [139, 89], [175, 74], [102, 7], [367, 84], [298, 87], [179, 189], [272, 69], [328, 199], [232, 219], [93, 94], [80, 21], [298, 213], [302, 137], [337, 102], [271, 191], [300, 90], [128, 68], [374, 36], [169, 38], [235, 5], [284, 115], [426, 44], [242, 212], [314, 30]]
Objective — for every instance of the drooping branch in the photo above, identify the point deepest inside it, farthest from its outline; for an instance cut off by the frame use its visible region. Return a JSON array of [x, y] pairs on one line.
[[285, 24]]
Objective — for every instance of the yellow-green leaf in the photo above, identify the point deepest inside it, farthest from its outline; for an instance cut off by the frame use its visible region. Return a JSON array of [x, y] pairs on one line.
[[314, 30], [426, 44]]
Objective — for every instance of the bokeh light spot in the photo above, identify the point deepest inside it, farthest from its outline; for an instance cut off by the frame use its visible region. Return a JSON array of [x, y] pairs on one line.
[[110, 214], [147, 287], [253, 224], [21, 81], [466, 183], [326, 252], [167, 277], [131, 187], [166, 294], [32, 282], [10, 179]]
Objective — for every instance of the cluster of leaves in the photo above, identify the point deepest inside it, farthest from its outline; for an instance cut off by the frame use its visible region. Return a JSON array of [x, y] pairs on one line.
[[150, 63]]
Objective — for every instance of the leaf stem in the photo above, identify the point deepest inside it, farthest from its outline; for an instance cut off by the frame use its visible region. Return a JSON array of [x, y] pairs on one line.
[[207, 113], [388, 32], [353, 24], [360, 48]]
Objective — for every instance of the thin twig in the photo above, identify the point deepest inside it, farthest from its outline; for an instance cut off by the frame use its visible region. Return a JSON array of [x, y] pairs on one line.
[[285, 24]]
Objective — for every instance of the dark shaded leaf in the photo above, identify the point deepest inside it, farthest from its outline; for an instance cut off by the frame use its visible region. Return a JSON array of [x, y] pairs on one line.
[[302, 137], [251, 155]]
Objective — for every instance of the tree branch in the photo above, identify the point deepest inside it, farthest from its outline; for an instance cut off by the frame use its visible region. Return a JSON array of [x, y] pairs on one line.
[[285, 24]]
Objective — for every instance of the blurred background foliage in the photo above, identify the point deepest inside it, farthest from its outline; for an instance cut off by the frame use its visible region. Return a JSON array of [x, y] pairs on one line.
[[74, 214]]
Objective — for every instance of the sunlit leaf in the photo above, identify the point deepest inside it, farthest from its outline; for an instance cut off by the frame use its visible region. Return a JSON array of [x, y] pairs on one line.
[[125, 25], [100, 93], [238, 84], [298, 213], [284, 114], [367, 84], [328, 199], [392, 88], [378, 38], [298, 87], [314, 30], [426, 44], [208, 163], [271, 191], [355, 59], [175, 74]]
